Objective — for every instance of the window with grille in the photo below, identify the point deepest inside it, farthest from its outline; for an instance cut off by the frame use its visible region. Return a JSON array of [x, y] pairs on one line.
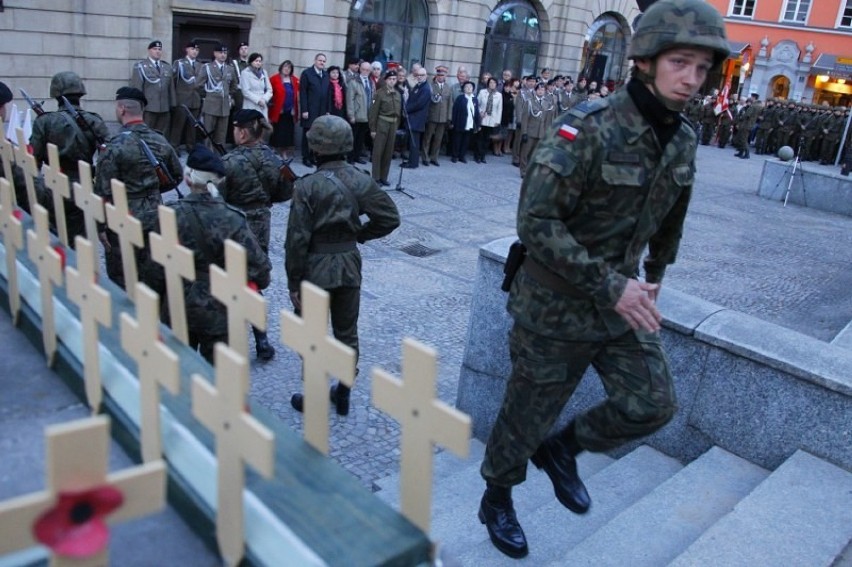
[[743, 8], [797, 11], [846, 18]]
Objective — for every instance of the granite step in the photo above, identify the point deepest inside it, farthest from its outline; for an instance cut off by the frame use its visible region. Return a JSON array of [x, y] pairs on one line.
[[660, 526], [801, 515], [552, 530]]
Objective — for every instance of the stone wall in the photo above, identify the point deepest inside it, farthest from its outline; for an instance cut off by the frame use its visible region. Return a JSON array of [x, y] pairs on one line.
[[753, 388]]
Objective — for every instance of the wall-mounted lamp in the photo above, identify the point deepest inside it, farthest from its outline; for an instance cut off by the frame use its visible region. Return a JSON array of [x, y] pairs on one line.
[[823, 78], [841, 81]]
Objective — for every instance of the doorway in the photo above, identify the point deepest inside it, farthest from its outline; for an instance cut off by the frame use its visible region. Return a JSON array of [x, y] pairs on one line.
[[208, 32]]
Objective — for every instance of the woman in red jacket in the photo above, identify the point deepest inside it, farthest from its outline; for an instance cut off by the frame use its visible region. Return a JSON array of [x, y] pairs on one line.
[[284, 109]]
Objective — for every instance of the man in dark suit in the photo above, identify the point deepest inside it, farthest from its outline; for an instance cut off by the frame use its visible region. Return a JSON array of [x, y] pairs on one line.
[[417, 108], [313, 99]]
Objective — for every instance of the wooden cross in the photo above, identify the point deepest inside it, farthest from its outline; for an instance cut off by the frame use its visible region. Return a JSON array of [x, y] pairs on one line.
[[57, 182], [49, 266], [323, 356], [86, 200], [77, 461], [7, 156], [425, 421], [27, 162], [177, 261], [157, 365], [230, 286], [13, 240], [239, 438], [129, 231], [95, 307]]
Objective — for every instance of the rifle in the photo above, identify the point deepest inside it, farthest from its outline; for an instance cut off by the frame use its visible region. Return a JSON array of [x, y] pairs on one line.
[[167, 182], [287, 172], [204, 133], [36, 106], [83, 123]]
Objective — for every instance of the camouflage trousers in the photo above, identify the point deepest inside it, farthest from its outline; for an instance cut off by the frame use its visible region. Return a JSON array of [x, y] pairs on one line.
[[545, 371], [260, 221]]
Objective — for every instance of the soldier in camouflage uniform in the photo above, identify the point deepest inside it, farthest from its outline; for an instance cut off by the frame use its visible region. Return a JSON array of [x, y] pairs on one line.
[[16, 176], [764, 127], [253, 175], [810, 133], [708, 121], [832, 131], [746, 119], [204, 222], [324, 231], [611, 177], [124, 159], [73, 142]]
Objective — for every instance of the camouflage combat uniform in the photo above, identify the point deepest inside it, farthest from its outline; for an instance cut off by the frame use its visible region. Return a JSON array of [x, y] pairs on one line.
[[253, 174], [323, 232], [204, 223], [593, 198], [73, 143], [125, 160]]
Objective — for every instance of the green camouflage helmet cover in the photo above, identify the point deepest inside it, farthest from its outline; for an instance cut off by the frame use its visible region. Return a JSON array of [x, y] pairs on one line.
[[66, 83], [330, 135], [673, 23]]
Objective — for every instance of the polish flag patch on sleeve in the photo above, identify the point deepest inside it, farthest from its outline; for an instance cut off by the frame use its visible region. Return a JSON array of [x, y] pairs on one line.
[[568, 132]]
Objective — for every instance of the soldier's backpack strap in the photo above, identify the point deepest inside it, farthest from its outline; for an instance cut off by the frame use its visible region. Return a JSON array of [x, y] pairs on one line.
[[78, 132], [347, 192]]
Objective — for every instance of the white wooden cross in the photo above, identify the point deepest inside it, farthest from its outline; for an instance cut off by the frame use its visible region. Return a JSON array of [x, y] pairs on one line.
[[129, 231], [323, 356], [95, 307], [157, 365], [425, 421], [177, 261], [13, 240], [92, 205], [230, 286], [57, 182], [27, 162], [49, 266], [77, 461], [239, 438], [7, 156]]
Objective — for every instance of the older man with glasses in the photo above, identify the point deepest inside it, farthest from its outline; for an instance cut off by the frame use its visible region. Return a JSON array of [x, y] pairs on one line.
[[417, 110]]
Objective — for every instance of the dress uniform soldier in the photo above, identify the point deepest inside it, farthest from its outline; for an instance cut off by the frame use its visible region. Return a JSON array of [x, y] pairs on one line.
[[533, 124], [204, 223], [154, 79], [220, 84], [383, 119], [124, 159], [74, 141], [609, 178], [188, 93], [440, 107], [253, 176], [324, 231]]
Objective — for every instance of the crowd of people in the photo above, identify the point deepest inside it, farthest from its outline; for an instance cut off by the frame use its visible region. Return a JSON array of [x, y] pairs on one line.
[[813, 131]]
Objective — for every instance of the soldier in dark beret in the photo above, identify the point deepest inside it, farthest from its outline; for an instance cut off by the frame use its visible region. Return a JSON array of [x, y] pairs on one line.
[[220, 83], [186, 94], [154, 78]]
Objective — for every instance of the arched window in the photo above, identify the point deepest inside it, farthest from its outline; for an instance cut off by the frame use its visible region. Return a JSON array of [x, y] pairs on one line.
[[512, 39], [388, 30], [604, 51]]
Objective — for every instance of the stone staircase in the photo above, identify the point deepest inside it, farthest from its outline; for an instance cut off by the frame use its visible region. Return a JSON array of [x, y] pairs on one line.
[[648, 509]]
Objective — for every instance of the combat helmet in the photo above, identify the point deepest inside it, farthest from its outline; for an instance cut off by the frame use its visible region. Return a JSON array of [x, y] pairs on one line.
[[66, 83], [673, 23], [330, 135]]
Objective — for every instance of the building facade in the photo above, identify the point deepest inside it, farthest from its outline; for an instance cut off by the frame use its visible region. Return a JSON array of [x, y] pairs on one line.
[[100, 39], [800, 50]]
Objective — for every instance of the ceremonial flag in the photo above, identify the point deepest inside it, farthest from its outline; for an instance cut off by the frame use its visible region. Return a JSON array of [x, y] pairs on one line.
[[722, 101]]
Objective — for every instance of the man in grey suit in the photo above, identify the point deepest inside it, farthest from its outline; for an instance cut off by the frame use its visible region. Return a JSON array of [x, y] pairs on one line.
[[154, 79], [359, 96], [220, 84], [187, 93]]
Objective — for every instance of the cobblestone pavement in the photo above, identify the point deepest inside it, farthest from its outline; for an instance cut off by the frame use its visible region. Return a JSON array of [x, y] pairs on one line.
[[788, 265]]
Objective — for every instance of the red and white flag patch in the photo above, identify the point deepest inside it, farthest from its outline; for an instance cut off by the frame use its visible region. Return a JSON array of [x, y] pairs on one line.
[[568, 132]]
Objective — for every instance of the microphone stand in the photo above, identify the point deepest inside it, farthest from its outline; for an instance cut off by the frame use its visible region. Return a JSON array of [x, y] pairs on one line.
[[399, 186]]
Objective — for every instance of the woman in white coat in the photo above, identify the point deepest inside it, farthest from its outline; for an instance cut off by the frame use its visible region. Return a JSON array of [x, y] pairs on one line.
[[491, 113], [255, 85]]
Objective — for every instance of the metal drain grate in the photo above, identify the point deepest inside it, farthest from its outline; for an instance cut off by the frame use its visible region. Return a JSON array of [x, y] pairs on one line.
[[419, 250]]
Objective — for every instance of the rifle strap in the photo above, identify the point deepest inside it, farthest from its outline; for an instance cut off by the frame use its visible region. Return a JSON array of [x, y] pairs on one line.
[[78, 132]]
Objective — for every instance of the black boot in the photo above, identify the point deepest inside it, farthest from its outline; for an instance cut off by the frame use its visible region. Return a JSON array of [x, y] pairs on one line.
[[739, 153], [339, 396], [746, 154], [498, 514], [265, 351], [556, 455]]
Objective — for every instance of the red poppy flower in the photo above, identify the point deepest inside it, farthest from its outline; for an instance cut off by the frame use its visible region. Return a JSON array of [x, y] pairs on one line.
[[75, 526], [252, 286], [61, 251], [18, 214]]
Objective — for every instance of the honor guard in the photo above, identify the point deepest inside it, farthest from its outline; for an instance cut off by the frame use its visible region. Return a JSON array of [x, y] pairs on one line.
[[154, 78]]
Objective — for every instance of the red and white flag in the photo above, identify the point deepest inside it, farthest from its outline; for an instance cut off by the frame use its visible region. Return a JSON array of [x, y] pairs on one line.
[[722, 101]]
